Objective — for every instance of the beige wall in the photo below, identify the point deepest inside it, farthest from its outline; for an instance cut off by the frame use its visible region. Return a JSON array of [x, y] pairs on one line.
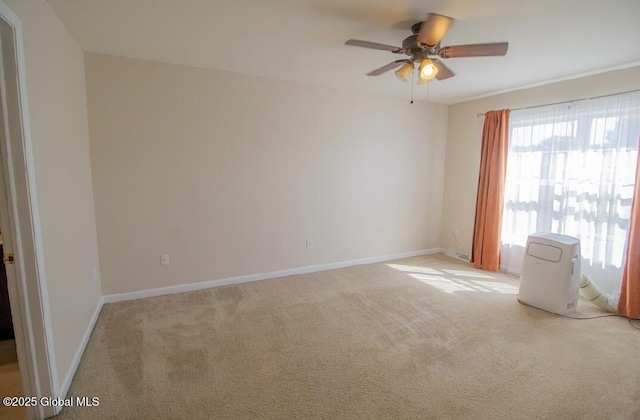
[[60, 137], [465, 136], [230, 174]]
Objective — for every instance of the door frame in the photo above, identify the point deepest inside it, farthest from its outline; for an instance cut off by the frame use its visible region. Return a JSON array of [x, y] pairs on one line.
[[20, 221]]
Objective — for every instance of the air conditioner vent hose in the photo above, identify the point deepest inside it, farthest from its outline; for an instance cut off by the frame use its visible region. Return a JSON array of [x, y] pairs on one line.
[[591, 292]]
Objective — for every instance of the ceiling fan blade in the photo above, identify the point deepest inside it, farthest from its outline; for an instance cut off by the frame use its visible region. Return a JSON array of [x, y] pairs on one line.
[[434, 28], [474, 50], [443, 71], [384, 69], [372, 45]]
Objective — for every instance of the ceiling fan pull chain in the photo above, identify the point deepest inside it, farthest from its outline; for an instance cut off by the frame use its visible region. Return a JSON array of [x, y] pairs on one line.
[[413, 82]]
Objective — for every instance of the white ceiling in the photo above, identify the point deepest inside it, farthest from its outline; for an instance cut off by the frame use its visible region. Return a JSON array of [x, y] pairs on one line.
[[303, 40]]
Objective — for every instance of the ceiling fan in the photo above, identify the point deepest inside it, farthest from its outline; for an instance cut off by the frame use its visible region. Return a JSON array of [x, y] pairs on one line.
[[423, 49]]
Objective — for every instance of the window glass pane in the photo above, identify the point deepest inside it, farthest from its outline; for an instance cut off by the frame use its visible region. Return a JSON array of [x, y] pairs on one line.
[[571, 170]]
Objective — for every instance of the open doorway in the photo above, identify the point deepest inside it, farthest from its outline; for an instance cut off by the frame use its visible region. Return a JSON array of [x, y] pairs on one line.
[[6, 324], [10, 383], [22, 263]]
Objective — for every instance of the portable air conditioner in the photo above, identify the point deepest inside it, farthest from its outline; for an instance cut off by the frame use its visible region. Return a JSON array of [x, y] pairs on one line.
[[550, 278]]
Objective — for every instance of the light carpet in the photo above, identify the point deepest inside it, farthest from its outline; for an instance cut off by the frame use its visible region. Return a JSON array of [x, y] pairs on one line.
[[420, 338]]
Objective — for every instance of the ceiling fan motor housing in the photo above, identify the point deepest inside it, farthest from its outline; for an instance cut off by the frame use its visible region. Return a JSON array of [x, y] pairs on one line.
[[416, 50]]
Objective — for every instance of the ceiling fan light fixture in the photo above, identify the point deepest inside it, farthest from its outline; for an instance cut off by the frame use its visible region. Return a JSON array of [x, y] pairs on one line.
[[427, 72], [425, 43], [404, 72]]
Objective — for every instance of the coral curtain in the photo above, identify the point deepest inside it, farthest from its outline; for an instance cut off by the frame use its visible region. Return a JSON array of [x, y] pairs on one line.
[[629, 303], [485, 253]]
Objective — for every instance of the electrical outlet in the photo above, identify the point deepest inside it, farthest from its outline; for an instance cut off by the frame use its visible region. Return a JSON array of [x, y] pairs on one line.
[[95, 273], [309, 244], [455, 233], [164, 259]]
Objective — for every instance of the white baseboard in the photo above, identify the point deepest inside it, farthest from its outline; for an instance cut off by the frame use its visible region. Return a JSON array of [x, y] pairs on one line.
[[83, 344], [454, 254], [121, 297]]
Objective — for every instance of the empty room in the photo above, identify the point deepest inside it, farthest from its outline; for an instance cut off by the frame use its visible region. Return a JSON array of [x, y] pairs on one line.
[[319, 209]]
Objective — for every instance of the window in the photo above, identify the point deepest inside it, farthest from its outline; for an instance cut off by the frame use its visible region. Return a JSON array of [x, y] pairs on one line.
[[571, 170]]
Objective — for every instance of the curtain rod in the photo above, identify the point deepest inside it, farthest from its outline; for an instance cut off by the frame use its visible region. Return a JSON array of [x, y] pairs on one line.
[[481, 114]]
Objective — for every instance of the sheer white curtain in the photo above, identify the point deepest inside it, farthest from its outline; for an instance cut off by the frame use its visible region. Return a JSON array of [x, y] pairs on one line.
[[571, 170]]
